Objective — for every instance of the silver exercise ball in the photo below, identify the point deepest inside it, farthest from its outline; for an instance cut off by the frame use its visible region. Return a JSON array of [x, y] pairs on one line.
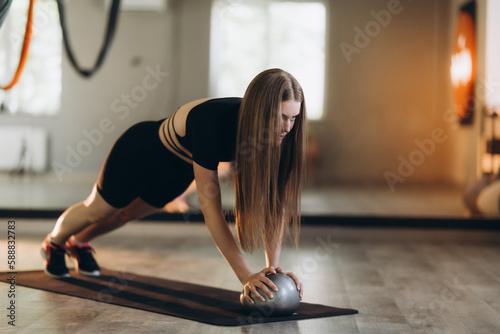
[[285, 301]]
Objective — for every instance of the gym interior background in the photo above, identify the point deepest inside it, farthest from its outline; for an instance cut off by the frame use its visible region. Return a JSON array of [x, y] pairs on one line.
[[387, 93], [387, 119], [394, 90]]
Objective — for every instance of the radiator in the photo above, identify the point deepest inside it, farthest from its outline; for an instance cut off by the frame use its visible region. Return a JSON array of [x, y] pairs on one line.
[[23, 148]]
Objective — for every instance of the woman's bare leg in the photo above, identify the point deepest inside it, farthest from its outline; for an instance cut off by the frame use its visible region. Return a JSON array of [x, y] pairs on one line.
[[135, 210], [84, 221], [94, 209]]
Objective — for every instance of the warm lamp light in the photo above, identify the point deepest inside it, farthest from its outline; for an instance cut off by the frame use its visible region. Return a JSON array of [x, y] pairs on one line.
[[462, 68], [461, 65]]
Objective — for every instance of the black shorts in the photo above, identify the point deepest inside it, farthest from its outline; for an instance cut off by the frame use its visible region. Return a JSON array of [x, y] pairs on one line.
[[139, 165]]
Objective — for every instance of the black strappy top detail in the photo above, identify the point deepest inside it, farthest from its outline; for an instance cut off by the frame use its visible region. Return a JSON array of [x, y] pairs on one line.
[[211, 129], [168, 136]]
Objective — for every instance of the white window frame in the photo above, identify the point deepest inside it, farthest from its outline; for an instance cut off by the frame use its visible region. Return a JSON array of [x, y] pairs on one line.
[[38, 91], [313, 100]]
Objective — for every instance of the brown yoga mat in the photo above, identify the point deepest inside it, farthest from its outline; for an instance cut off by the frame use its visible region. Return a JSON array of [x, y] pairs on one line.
[[185, 300]]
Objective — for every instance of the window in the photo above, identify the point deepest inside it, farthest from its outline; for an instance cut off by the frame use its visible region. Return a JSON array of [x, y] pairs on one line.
[[38, 91], [253, 35]]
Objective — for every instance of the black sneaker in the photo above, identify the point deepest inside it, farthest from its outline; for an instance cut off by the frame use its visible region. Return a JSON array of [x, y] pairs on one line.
[[55, 264], [85, 262]]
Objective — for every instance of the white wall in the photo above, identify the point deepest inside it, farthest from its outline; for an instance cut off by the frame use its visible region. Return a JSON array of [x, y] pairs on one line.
[[493, 50], [492, 78]]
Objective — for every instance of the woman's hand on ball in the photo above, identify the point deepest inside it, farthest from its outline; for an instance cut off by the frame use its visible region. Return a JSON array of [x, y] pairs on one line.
[[295, 279], [260, 280], [300, 287]]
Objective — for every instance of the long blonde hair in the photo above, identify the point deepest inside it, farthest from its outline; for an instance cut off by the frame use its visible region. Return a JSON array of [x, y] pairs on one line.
[[269, 175]]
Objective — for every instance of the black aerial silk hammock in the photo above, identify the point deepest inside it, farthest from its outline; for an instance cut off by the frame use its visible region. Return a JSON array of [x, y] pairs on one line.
[[110, 32], [4, 9]]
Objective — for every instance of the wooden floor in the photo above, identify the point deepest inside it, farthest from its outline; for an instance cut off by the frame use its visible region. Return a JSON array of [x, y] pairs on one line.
[[400, 280]]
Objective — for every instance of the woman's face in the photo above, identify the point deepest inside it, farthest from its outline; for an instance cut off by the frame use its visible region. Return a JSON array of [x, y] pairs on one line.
[[290, 109]]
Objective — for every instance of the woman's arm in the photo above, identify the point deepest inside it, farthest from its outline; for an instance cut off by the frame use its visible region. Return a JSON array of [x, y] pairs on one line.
[[210, 203], [273, 260]]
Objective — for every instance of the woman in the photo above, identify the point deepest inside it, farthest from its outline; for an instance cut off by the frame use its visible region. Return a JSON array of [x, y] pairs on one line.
[[154, 162]]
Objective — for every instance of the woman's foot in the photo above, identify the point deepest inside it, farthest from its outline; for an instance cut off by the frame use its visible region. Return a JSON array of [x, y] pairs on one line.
[[54, 258], [178, 205], [82, 253]]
